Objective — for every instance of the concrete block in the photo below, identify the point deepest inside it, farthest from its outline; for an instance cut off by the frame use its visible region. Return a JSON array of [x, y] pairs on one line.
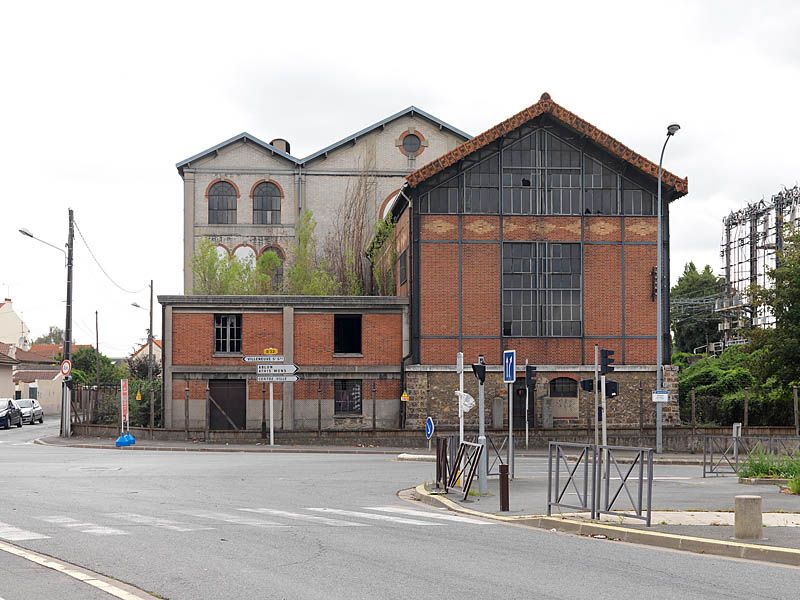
[[747, 520]]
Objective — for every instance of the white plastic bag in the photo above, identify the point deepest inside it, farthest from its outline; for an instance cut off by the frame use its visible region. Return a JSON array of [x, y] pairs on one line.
[[466, 401]]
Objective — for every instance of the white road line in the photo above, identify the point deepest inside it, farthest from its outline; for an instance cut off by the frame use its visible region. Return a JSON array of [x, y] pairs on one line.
[[14, 534], [235, 519], [157, 522], [428, 515], [302, 517], [363, 515], [90, 528]]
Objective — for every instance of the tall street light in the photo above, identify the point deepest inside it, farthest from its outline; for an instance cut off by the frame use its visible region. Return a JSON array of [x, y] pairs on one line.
[[150, 358], [671, 130], [66, 386]]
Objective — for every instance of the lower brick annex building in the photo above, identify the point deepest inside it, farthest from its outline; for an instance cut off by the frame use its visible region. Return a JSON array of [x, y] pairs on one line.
[[538, 235]]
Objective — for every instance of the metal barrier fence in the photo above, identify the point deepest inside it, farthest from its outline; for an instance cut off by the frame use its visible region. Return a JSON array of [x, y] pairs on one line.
[[724, 455], [587, 456], [642, 482], [587, 474]]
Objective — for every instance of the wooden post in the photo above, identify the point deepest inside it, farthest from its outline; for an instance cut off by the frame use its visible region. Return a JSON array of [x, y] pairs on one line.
[[208, 412], [186, 410], [796, 417], [746, 409]]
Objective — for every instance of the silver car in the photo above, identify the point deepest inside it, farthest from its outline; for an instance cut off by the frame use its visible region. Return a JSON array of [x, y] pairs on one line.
[[31, 410]]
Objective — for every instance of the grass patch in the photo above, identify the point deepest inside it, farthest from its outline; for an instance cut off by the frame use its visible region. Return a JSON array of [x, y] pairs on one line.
[[794, 485], [761, 464]]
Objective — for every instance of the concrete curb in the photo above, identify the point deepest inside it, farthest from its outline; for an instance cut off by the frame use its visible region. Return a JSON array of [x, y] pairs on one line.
[[762, 481], [730, 549], [416, 457], [247, 449]]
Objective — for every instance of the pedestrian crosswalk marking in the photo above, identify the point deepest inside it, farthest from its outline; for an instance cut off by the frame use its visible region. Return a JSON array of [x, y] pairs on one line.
[[428, 515], [157, 522], [235, 519], [373, 517], [90, 528], [302, 517], [15, 534]]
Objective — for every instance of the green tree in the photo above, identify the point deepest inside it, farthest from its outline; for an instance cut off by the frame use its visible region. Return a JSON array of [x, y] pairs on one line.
[[307, 275], [227, 275], [694, 321], [84, 368], [54, 336]]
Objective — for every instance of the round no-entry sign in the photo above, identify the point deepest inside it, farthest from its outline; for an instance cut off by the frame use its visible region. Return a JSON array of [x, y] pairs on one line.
[[66, 367], [429, 428]]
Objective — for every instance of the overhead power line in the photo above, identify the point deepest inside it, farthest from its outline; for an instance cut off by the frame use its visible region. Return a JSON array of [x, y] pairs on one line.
[[97, 262]]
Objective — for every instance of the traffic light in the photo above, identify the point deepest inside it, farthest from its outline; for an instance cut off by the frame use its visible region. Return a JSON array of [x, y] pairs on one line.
[[612, 388], [606, 360], [480, 371], [530, 376], [587, 385]]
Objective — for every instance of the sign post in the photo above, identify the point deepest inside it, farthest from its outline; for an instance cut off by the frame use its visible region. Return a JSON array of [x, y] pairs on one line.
[[509, 376], [660, 397], [266, 372], [429, 428], [126, 423], [460, 369]]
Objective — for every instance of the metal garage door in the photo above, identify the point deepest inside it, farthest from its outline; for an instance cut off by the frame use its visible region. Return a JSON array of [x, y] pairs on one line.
[[231, 396]]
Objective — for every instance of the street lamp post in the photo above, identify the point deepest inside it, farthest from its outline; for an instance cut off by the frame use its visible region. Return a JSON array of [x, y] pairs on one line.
[[150, 359], [66, 386], [671, 130]]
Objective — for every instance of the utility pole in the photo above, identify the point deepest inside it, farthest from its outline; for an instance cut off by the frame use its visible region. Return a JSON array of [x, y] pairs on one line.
[[66, 398], [480, 372], [597, 394], [150, 363], [97, 351]]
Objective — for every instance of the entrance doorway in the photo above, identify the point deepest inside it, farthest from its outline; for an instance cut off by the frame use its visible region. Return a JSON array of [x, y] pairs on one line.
[[519, 405], [231, 396]]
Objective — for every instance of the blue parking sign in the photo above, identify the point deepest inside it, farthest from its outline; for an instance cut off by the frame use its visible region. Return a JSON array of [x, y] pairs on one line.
[[509, 366]]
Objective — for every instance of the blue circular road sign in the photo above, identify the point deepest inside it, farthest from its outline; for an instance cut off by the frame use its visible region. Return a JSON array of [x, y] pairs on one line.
[[429, 428]]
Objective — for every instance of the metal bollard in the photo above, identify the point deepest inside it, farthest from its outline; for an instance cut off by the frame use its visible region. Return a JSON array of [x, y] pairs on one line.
[[504, 488]]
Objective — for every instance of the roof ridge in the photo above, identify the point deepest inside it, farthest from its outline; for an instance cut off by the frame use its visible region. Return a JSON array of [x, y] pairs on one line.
[[546, 105]]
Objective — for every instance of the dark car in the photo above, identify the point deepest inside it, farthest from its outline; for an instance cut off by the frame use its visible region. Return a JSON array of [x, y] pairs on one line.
[[10, 413]]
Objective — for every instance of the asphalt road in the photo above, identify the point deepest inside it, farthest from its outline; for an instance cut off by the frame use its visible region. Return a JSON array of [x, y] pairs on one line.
[[235, 525]]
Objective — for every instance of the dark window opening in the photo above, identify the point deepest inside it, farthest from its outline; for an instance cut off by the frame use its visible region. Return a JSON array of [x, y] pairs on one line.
[[411, 144], [637, 201], [347, 397], [402, 267], [227, 334], [347, 334], [563, 387], [266, 204], [222, 204]]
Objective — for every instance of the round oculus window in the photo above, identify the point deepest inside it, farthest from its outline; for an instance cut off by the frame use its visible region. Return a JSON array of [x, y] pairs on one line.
[[411, 143]]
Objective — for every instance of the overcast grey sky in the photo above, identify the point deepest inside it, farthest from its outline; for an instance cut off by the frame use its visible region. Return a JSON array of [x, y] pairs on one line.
[[100, 100]]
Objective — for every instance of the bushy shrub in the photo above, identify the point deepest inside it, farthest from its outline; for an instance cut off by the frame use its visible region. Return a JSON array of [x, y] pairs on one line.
[[762, 464]]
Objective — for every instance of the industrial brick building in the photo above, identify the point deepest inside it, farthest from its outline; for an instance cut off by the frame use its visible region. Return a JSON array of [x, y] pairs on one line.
[[539, 235]]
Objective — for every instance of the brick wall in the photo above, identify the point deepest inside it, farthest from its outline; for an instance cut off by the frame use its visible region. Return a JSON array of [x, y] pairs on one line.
[[381, 340]]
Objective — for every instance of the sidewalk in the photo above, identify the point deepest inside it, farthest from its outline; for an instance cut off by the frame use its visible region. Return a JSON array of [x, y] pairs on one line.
[[199, 446], [689, 513]]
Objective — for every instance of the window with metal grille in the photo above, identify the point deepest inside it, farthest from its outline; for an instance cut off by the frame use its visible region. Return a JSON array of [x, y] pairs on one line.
[[266, 204], [227, 334], [600, 189], [482, 187], [411, 144], [563, 387], [222, 204], [402, 267], [637, 201], [542, 289], [443, 199], [347, 334], [347, 397], [541, 176]]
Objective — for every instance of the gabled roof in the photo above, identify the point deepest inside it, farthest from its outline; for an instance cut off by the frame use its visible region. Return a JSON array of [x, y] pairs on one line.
[[246, 137], [5, 359], [545, 105], [242, 137], [410, 111], [31, 375]]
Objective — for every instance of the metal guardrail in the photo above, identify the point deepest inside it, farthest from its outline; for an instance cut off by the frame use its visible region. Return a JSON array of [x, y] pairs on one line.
[[723, 455], [586, 457], [640, 483], [587, 475]]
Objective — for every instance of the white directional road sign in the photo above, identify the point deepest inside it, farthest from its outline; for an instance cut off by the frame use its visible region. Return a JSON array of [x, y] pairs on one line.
[[276, 369], [276, 378], [263, 358]]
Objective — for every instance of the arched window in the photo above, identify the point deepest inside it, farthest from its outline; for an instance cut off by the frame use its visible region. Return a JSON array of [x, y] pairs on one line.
[[222, 204], [246, 255], [266, 204], [563, 387], [222, 252]]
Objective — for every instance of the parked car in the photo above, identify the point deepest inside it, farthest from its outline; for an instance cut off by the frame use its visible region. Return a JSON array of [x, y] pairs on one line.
[[31, 410], [10, 413]]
